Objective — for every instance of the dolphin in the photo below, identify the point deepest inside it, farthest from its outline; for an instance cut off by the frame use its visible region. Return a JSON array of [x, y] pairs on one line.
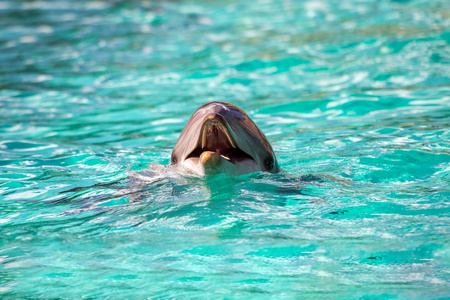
[[221, 138]]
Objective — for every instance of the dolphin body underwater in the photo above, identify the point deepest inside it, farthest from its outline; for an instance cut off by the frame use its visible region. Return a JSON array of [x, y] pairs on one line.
[[221, 138]]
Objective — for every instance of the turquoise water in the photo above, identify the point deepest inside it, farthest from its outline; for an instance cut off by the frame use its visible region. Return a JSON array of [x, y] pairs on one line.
[[94, 94]]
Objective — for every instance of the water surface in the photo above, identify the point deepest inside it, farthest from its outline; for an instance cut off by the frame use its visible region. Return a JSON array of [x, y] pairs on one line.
[[94, 92]]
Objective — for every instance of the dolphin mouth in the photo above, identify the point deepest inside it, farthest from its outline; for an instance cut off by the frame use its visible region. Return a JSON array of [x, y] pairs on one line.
[[215, 136]]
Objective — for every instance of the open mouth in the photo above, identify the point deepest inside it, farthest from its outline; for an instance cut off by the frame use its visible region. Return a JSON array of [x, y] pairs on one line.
[[215, 137]]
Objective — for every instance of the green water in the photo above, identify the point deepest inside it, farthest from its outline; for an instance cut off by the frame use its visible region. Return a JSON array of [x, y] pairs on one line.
[[94, 93]]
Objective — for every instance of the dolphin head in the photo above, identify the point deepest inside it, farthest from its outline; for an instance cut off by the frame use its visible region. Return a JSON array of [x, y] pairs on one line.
[[221, 138]]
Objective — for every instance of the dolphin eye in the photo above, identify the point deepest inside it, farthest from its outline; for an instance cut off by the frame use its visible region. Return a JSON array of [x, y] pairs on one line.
[[174, 160], [268, 164]]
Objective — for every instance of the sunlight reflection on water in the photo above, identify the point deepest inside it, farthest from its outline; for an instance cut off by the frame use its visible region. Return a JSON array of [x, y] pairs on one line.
[[94, 95]]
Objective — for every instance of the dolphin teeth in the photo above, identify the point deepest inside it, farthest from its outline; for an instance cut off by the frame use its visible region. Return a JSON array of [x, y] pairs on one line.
[[223, 129], [203, 139], [230, 139]]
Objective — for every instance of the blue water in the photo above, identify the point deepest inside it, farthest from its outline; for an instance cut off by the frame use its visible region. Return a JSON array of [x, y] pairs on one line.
[[94, 94]]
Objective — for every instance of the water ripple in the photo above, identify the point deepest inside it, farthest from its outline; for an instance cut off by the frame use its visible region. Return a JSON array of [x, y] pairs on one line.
[[353, 96]]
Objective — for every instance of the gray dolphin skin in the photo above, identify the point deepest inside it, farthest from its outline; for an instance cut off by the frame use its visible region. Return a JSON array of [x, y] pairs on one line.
[[221, 138]]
